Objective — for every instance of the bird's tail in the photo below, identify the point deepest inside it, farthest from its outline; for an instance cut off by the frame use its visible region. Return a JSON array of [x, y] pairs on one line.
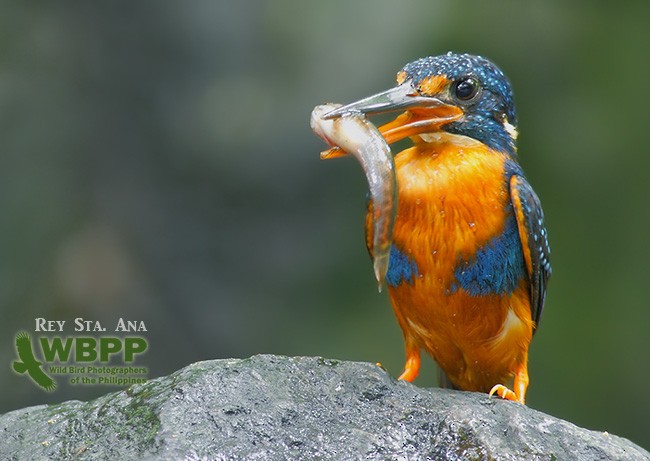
[[444, 381], [42, 379]]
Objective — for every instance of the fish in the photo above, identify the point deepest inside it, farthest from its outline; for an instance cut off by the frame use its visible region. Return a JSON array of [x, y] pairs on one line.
[[352, 133]]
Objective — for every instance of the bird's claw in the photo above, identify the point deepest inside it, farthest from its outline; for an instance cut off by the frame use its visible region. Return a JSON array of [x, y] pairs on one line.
[[503, 392]]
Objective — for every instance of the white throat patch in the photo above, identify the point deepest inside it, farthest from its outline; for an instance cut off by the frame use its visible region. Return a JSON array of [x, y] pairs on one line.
[[510, 128]]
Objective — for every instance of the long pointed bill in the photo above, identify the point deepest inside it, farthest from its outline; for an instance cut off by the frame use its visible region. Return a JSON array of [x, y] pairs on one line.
[[402, 96], [423, 114]]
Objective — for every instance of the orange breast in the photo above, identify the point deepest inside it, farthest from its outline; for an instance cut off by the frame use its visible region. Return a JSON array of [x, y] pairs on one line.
[[453, 199]]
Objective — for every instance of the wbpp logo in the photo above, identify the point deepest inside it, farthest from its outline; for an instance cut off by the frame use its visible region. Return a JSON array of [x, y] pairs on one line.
[[82, 349]]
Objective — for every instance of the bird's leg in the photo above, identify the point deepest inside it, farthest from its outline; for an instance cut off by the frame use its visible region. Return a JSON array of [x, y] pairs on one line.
[[412, 366], [520, 385]]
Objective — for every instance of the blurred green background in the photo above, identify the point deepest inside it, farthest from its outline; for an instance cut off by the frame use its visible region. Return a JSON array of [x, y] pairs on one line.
[[157, 165]]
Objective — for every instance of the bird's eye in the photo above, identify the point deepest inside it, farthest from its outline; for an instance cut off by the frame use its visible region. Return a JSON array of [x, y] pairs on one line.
[[465, 89]]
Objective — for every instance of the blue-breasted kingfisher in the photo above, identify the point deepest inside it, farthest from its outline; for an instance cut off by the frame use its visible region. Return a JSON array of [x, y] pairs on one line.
[[469, 261]]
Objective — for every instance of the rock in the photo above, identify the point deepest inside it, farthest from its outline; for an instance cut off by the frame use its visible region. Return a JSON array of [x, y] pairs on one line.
[[270, 407]]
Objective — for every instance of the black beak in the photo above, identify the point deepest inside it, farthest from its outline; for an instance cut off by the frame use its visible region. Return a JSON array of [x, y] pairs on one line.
[[401, 97]]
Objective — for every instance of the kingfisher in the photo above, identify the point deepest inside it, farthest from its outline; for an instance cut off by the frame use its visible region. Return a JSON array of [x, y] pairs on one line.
[[469, 261]]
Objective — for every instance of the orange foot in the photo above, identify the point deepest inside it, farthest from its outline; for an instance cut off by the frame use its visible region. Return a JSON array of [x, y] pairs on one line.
[[505, 393], [521, 384]]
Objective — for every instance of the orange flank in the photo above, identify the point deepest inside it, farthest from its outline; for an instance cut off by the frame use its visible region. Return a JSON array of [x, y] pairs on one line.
[[453, 200], [468, 264]]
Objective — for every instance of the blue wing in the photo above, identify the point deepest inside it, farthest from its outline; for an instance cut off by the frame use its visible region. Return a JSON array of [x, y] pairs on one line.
[[534, 241]]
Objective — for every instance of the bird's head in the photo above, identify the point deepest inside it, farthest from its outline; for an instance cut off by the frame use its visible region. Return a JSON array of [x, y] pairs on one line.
[[458, 94]]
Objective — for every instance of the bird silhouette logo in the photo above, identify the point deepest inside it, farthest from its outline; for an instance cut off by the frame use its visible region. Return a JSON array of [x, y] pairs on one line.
[[28, 363]]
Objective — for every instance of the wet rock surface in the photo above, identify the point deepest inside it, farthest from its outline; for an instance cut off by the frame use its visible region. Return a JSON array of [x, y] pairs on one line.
[[272, 407]]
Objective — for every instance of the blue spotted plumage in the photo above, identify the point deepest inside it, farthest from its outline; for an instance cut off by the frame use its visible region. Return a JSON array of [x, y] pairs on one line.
[[526, 200], [485, 116]]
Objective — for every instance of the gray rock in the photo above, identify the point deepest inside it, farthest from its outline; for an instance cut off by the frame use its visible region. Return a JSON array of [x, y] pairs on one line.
[[270, 407]]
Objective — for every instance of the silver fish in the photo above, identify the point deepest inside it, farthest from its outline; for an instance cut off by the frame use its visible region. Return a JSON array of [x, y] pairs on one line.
[[352, 133]]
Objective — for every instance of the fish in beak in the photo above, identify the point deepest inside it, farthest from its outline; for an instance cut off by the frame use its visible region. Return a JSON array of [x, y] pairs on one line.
[[422, 114]]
